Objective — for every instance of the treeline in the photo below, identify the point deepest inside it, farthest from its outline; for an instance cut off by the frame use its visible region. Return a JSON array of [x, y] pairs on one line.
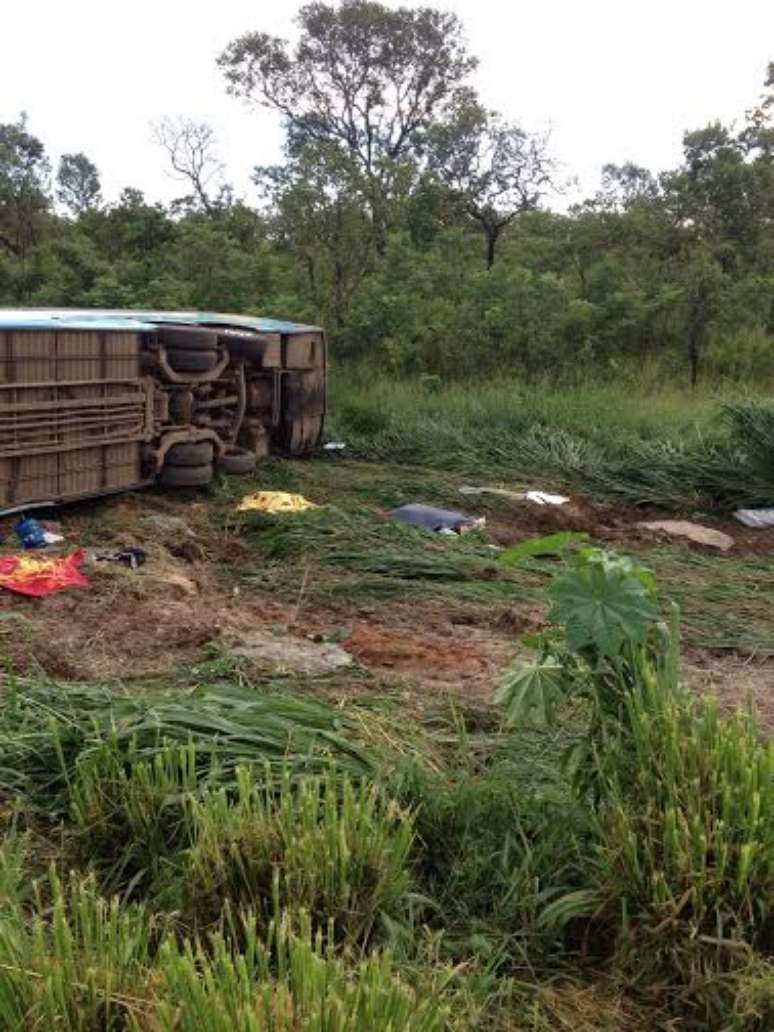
[[412, 221]]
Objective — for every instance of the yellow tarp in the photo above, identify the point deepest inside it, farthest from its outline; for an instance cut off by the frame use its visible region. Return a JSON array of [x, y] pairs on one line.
[[275, 501]]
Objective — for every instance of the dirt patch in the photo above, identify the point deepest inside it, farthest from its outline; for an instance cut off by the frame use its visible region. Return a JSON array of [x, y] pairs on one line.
[[618, 525], [733, 681], [426, 657]]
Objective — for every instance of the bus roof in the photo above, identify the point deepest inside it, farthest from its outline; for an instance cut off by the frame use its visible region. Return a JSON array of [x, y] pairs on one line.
[[137, 320]]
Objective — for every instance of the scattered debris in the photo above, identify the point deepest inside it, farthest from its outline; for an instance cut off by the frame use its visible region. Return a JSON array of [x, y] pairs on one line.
[[274, 502], [538, 497], [544, 498], [131, 557], [286, 652], [442, 521], [693, 532], [758, 519], [28, 575], [169, 524]]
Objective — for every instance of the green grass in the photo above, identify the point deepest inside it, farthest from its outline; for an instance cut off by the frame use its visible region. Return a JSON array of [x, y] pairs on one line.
[[661, 446]]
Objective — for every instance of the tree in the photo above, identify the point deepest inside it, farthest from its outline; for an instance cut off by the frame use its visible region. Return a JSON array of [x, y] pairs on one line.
[[702, 285], [363, 78], [24, 184], [758, 135], [626, 186], [192, 151], [320, 217], [493, 169], [78, 185]]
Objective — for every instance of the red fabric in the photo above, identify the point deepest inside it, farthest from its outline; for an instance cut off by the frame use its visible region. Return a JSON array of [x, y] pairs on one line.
[[30, 574]]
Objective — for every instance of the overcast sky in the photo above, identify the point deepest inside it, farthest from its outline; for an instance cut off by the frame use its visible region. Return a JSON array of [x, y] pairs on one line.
[[615, 80]]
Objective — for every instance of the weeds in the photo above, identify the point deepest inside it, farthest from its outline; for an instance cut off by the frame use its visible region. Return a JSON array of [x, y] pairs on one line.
[[81, 963], [335, 849], [78, 963]]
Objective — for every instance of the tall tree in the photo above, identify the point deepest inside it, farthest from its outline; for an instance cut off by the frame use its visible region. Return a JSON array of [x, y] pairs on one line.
[[321, 219], [493, 169], [192, 152], [24, 186], [364, 78], [78, 185]]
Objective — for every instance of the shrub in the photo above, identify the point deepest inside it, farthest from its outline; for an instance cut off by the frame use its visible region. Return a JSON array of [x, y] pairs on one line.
[[681, 870]]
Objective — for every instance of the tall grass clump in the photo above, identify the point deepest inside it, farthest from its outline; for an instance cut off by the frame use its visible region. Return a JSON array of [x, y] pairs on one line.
[[685, 855], [128, 809], [74, 961], [334, 847], [490, 858], [286, 981]]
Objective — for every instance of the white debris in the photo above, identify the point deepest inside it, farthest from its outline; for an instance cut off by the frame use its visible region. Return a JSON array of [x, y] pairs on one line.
[[500, 492], [755, 518], [335, 446], [544, 498]]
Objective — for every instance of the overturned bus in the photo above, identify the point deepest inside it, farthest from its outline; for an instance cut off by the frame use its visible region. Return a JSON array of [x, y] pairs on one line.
[[93, 402]]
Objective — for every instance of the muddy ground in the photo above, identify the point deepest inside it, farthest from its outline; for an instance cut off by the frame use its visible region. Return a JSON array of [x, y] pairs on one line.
[[188, 602]]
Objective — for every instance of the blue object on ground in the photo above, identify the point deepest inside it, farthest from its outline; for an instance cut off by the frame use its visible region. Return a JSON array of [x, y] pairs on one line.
[[30, 533], [430, 518]]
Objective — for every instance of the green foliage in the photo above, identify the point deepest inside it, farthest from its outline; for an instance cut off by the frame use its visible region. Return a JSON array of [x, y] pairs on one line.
[[680, 854], [551, 544], [489, 857], [606, 626], [285, 982], [76, 961], [604, 603], [333, 848], [76, 735], [682, 865], [128, 806]]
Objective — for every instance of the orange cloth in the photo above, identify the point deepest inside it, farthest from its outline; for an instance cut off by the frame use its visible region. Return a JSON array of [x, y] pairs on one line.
[[30, 574]]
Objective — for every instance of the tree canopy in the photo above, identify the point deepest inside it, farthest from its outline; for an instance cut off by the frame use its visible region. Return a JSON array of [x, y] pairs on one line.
[[413, 222]]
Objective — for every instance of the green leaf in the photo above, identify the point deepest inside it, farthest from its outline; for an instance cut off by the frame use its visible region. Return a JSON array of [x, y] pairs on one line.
[[580, 903], [532, 691], [603, 603], [551, 544]]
